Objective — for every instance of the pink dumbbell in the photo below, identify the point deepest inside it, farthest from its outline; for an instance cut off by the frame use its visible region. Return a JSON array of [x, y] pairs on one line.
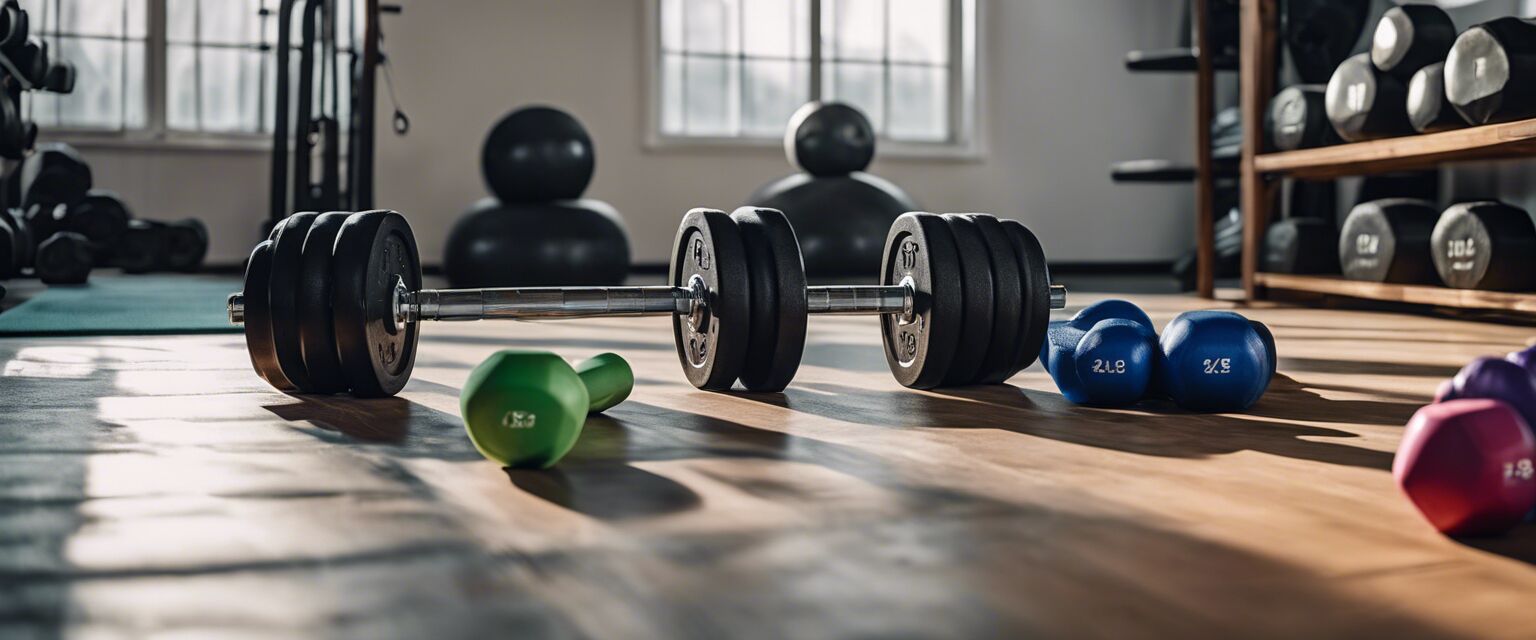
[[1468, 466]]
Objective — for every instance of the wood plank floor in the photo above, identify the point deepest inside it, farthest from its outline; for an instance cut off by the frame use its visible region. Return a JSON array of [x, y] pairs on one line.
[[156, 486]]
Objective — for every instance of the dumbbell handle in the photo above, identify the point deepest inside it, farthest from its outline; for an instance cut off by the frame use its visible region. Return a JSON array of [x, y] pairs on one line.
[[533, 303]]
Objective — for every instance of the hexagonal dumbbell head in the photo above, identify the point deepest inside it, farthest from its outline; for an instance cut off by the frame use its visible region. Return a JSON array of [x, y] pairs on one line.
[[1364, 103], [1467, 466], [54, 174], [525, 409], [64, 258], [1388, 240], [60, 78], [1477, 245], [1489, 71]]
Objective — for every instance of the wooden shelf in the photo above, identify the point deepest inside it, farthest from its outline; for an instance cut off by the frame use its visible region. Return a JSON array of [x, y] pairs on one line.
[[1524, 303], [1258, 74], [1489, 142]]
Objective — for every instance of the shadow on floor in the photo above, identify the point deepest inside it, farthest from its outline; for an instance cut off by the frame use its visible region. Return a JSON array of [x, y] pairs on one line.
[[598, 480], [1158, 429]]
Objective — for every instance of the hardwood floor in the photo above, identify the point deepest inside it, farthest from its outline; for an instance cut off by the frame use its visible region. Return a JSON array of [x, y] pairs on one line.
[[155, 485]]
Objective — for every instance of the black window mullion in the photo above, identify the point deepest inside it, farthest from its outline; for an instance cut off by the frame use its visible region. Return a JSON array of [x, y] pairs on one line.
[[197, 65], [683, 61], [122, 71], [885, 68], [741, 67], [261, 69]]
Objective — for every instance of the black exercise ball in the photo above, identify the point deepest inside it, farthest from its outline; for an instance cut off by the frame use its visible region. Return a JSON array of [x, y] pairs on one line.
[[841, 222], [830, 139], [537, 154], [563, 243]]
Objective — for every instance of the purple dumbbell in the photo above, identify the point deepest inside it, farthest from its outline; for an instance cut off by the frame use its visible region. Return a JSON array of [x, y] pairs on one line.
[[1494, 379]]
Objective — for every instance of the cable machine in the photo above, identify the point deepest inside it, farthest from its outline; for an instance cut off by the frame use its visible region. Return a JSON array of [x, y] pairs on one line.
[[330, 165]]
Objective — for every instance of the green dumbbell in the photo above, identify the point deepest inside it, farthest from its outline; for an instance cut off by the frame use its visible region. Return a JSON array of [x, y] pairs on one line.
[[525, 409]]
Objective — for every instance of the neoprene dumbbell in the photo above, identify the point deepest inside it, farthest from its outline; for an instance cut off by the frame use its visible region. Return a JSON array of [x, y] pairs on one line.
[[1389, 241], [1365, 104], [1494, 379], [1103, 356], [526, 409], [1485, 245], [1467, 466], [1526, 358], [1216, 361]]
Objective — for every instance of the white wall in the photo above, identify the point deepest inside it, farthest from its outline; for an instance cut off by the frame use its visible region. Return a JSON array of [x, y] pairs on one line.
[[1058, 109]]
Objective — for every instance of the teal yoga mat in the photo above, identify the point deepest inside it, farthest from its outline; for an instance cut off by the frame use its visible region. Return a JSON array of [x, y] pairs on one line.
[[125, 305]]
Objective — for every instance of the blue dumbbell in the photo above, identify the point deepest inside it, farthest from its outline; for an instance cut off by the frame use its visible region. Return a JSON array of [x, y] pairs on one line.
[[1216, 361], [1104, 355]]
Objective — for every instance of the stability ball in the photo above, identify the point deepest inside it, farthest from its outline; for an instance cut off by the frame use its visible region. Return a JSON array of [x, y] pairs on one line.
[[829, 140], [537, 231], [840, 214], [537, 154], [566, 242]]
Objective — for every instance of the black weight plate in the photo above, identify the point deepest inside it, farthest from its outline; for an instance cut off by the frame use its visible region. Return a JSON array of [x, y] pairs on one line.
[[713, 344], [976, 291], [1008, 294], [1037, 293], [921, 250], [258, 318], [374, 250], [778, 307], [283, 297], [317, 329]]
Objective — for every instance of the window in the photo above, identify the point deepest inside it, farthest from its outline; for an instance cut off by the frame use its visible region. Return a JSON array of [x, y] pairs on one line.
[[108, 45], [172, 66], [738, 69]]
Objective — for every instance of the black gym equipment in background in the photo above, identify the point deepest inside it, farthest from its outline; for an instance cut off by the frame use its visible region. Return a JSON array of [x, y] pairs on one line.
[[1485, 245], [299, 188], [1485, 93], [840, 212], [56, 189], [1318, 34], [537, 230]]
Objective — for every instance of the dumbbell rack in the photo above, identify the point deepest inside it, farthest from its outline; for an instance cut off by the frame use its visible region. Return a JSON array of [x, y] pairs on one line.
[[1204, 63], [1261, 173]]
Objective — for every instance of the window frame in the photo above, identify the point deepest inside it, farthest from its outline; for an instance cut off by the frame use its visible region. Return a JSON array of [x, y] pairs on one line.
[[965, 94], [156, 133]]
